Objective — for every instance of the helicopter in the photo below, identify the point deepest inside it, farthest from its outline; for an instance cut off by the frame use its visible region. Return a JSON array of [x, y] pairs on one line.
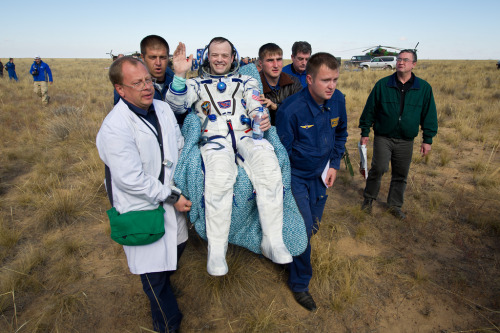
[[135, 54], [381, 50], [374, 51]]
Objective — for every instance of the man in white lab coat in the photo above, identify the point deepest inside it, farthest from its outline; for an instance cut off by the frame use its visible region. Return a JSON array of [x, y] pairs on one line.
[[140, 141]]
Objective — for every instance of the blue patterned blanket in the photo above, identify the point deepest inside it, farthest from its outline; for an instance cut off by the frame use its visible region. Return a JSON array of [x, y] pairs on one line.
[[245, 228]]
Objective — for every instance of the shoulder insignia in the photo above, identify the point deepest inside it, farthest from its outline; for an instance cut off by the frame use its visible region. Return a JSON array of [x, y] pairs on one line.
[[205, 107], [334, 121]]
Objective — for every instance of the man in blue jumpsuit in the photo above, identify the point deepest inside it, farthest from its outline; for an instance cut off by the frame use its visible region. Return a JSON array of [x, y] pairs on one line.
[[11, 69], [312, 125], [301, 52]]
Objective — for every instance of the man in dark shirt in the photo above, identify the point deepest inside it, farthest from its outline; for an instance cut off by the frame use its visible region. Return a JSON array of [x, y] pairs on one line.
[[396, 107], [277, 85]]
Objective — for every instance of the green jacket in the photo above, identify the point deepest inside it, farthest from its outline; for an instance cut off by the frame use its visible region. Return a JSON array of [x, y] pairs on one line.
[[382, 111]]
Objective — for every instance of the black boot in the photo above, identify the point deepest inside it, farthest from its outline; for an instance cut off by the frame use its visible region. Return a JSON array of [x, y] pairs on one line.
[[305, 299], [367, 205]]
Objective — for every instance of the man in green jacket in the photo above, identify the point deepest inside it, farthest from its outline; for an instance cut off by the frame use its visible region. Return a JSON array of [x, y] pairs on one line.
[[397, 106]]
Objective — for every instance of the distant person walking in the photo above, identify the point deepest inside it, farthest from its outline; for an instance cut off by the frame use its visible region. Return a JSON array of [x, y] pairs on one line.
[[1, 68], [11, 69], [396, 107], [41, 73]]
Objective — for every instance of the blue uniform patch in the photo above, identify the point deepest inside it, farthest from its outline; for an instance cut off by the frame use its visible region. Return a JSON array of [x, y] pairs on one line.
[[334, 121], [224, 104], [243, 103]]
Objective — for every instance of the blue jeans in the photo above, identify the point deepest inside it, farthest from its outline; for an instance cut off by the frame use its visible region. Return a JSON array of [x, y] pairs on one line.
[[310, 195], [164, 309]]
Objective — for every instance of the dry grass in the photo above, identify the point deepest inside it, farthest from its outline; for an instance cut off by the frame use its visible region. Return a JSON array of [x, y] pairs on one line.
[[60, 272]]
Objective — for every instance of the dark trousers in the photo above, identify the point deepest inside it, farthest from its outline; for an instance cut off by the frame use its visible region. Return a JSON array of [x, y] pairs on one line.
[[164, 309], [310, 195], [397, 151]]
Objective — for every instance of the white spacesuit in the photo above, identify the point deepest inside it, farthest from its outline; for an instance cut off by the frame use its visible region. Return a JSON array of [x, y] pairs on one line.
[[220, 102]]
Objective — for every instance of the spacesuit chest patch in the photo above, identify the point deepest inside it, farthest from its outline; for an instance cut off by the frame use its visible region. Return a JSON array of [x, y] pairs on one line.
[[334, 121], [243, 103], [205, 107], [224, 104]]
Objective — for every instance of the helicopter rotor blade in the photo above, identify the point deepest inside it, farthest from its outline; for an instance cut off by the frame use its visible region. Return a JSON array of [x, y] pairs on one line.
[[371, 47]]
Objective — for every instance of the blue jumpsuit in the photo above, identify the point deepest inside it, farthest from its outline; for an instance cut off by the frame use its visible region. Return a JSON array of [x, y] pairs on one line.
[[313, 136], [11, 68]]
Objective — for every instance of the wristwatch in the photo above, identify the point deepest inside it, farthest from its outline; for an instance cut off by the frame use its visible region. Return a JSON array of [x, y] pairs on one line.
[[174, 196]]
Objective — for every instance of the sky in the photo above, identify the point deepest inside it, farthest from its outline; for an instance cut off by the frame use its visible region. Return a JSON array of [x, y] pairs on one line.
[[444, 29]]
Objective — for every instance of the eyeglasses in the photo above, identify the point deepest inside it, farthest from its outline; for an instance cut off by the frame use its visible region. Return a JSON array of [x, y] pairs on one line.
[[139, 86], [404, 60]]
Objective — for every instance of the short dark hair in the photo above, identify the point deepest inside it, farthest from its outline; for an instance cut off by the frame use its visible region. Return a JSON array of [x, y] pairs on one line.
[[410, 51], [153, 41], [302, 47], [269, 48], [115, 70], [222, 40], [319, 59]]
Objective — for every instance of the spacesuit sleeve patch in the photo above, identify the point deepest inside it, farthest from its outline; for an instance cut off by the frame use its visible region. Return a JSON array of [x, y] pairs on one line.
[[334, 121], [205, 107], [224, 104], [256, 95]]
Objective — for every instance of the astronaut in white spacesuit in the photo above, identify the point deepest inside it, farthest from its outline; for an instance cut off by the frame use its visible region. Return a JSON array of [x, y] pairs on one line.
[[221, 97]]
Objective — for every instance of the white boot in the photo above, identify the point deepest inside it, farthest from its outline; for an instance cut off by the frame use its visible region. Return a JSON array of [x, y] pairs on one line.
[[272, 245], [216, 263]]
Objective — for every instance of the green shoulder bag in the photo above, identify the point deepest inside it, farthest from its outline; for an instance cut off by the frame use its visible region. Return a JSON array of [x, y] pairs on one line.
[[137, 227]]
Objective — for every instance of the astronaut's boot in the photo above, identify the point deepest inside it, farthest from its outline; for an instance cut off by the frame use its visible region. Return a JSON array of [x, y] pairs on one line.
[[216, 262], [272, 245]]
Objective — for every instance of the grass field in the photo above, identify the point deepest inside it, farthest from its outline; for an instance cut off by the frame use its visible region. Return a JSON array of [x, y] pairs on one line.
[[437, 271]]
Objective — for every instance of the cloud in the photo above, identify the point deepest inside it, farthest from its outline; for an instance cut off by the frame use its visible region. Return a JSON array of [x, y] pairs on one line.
[[403, 38]]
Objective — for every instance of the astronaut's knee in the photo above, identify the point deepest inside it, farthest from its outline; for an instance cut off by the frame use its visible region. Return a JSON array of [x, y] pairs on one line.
[[220, 173], [265, 163]]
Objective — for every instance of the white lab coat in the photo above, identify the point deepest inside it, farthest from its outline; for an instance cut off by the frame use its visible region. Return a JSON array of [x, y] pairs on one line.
[[132, 153]]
